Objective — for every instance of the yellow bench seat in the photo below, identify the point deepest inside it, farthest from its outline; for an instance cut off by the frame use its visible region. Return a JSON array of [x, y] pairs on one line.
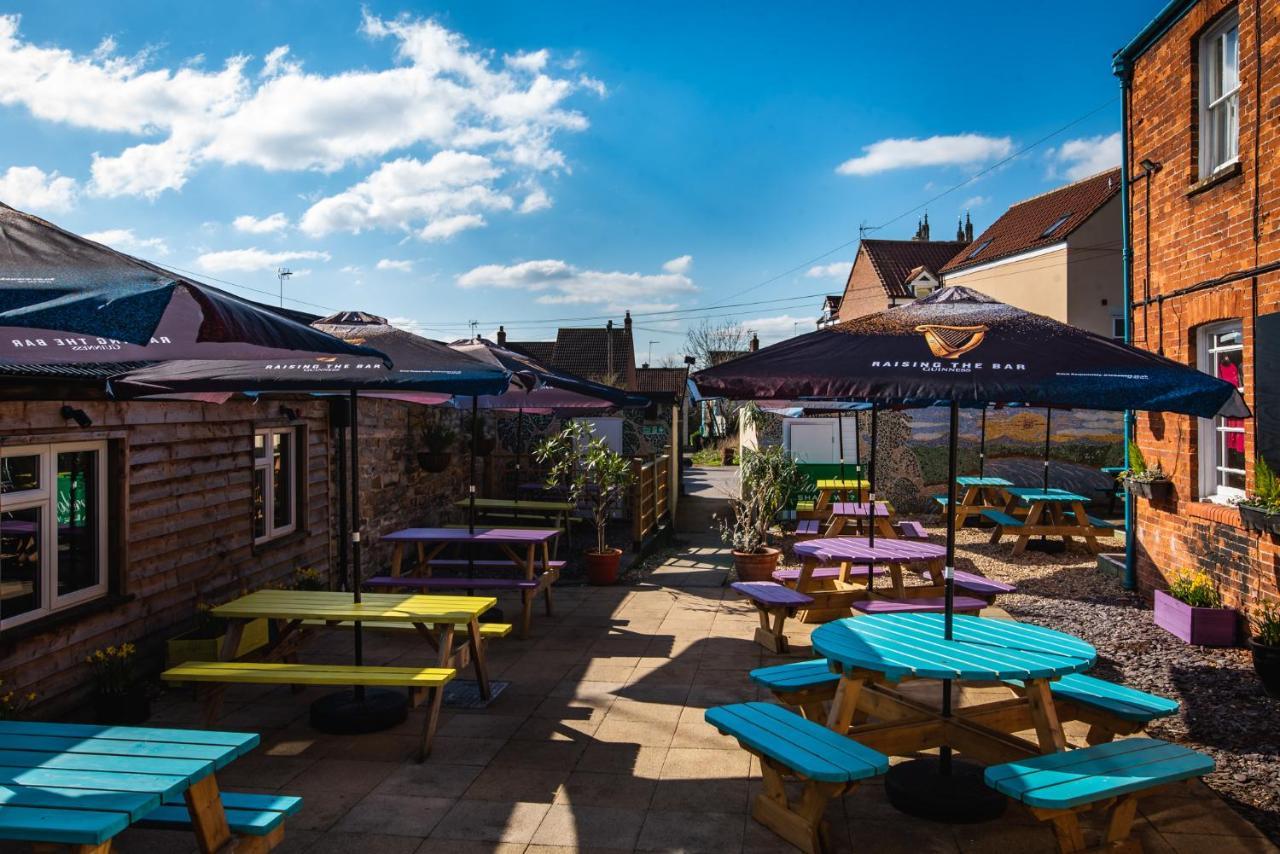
[[487, 630]]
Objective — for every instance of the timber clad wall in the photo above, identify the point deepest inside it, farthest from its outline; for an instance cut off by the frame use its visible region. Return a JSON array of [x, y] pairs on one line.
[[186, 523], [1200, 232]]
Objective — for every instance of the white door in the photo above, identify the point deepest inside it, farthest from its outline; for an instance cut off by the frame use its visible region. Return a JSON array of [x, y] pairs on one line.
[[812, 441], [610, 429]]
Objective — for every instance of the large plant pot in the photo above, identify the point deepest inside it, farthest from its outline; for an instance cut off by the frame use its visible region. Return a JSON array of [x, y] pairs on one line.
[[434, 463], [1199, 626], [128, 709], [1155, 490], [757, 565], [1255, 519], [193, 647], [1266, 663], [602, 567]]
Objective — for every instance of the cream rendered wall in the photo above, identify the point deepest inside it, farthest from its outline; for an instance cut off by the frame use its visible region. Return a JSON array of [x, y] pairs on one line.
[[1094, 272], [1037, 283]]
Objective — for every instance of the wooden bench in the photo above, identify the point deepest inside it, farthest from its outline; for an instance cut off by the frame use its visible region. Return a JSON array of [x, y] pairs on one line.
[[774, 603], [919, 605], [791, 575], [1103, 523], [808, 528], [805, 686], [1108, 708], [1002, 519], [463, 563], [430, 680], [527, 587], [912, 530], [488, 631], [258, 817], [807, 510], [1059, 786], [787, 745], [979, 586]]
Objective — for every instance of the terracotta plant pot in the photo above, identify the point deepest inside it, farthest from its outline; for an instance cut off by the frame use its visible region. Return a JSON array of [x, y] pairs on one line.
[[757, 565], [434, 463], [1199, 626], [1256, 519], [726, 456], [1266, 663], [602, 567], [1154, 490]]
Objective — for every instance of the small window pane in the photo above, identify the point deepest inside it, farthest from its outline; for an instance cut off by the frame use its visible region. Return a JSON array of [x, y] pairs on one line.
[[79, 564], [259, 503], [259, 446], [282, 482], [20, 474], [1230, 59], [20, 559]]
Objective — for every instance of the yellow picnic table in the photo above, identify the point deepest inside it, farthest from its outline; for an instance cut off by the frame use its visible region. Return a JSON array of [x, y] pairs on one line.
[[299, 611]]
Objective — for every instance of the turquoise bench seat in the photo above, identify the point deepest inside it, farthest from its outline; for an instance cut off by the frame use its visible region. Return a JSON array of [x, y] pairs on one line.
[[1127, 703], [247, 814], [1075, 778], [795, 676], [1103, 523], [1003, 519]]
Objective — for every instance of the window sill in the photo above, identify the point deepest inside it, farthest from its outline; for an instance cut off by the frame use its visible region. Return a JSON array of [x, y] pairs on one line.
[[284, 540], [1223, 175], [61, 618], [1223, 514]]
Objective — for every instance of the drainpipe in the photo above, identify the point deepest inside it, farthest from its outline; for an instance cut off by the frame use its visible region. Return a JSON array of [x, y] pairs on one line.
[[1129, 579]]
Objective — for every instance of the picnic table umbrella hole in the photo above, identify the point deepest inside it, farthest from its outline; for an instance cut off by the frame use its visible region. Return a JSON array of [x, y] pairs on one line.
[[962, 348]]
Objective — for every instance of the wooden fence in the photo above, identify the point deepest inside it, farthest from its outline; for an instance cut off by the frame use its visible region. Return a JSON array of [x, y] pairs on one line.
[[650, 497]]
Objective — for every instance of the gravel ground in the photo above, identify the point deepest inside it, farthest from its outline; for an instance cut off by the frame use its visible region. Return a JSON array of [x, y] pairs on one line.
[[1224, 711]]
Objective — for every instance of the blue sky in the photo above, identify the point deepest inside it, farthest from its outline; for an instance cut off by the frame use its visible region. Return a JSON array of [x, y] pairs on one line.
[[544, 164]]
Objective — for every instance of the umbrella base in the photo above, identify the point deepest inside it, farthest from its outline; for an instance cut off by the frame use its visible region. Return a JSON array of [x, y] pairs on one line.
[[1049, 547], [342, 713], [918, 788]]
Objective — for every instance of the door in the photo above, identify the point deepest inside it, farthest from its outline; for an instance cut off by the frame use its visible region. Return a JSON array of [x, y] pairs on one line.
[[813, 441]]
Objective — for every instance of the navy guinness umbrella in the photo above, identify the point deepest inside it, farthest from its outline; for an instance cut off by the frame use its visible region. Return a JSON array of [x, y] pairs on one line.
[[67, 300], [964, 348]]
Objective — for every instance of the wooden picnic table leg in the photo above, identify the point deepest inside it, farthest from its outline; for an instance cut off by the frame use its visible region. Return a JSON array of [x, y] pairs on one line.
[[478, 663], [546, 567], [1045, 717], [204, 804], [844, 703], [1082, 519], [397, 557], [429, 725], [1033, 518], [526, 595]]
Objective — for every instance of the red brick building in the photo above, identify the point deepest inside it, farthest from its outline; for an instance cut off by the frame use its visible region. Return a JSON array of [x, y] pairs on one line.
[[1202, 96]]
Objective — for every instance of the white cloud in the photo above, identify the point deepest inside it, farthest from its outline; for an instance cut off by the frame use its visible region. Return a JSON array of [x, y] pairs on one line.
[[974, 202], [445, 193], [537, 200], [1080, 158], [561, 282], [409, 324], [31, 188], [250, 224], [679, 266], [247, 260], [436, 92], [966, 149], [125, 240], [398, 266], [352, 269], [834, 270]]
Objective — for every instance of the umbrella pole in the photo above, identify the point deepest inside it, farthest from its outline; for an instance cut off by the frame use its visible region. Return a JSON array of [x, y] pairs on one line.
[[356, 572], [949, 565], [1048, 431], [519, 448], [871, 491], [471, 487], [982, 445], [840, 440], [344, 566], [857, 447]]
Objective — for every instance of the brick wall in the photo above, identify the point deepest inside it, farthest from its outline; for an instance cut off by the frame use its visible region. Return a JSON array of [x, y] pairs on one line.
[[863, 292], [1200, 230]]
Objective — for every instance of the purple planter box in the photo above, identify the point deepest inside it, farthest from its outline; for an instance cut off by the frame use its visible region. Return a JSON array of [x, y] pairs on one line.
[[1199, 626]]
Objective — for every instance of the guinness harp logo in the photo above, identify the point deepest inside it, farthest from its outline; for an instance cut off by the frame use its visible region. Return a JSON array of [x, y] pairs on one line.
[[951, 342]]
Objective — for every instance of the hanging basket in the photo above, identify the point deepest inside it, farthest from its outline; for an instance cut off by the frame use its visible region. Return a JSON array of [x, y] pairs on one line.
[[434, 463], [1153, 490], [1259, 520]]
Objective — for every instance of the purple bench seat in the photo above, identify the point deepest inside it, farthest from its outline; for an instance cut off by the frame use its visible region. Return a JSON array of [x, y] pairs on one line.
[[981, 586], [792, 575], [769, 593], [415, 582], [462, 563], [919, 605], [913, 530], [807, 528]]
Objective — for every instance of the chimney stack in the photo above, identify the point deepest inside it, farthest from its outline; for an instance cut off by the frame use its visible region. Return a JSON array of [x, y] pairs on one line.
[[502, 337], [755, 342], [626, 322]]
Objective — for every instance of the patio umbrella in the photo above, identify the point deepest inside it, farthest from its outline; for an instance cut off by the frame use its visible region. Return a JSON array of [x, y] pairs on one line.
[[963, 348], [66, 300]]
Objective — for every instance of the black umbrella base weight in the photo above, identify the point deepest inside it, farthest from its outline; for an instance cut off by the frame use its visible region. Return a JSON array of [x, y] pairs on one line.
[[1048, 547], [918, 788], [342, 713]]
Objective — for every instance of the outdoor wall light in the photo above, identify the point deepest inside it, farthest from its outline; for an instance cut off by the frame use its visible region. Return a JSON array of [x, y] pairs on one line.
[[1149, 166], [70, 413]]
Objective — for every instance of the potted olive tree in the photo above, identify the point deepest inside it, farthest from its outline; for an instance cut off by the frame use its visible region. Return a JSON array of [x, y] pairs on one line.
[[438, 440], [1265, 646], [1260, 509], [1192, 610], [767, 479], [1139, 480], [595, 477]]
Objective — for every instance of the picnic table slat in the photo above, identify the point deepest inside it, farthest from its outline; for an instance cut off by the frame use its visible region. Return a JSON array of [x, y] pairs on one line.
[[860, 550], [325, 605], [240, 742], [79, 827], [498, 536], [271, 672], [190, 769], [132, 804], [161, 784], [219, 756], [512, 504]]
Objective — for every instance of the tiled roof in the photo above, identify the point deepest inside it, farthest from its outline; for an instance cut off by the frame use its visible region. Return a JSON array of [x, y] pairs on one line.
[[670, 381], [894, 260], [543, 351], [1023, 227], [586, 352]]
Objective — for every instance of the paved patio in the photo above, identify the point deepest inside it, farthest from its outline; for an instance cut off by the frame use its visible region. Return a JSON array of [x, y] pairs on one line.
[[598, 744]]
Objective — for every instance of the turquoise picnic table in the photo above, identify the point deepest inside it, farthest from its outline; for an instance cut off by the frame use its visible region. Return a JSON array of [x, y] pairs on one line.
[[977, 494], [875, 654], [1049, 513], [80, 785]]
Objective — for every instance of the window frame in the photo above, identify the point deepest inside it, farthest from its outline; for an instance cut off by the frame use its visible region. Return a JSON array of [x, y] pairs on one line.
[[1210, 433], [1209, 144], [45, 497], [271, 531], [1118, 327]]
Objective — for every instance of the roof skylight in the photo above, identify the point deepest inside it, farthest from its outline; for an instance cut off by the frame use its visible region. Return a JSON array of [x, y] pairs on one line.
[[1057, 224], [983, 245]]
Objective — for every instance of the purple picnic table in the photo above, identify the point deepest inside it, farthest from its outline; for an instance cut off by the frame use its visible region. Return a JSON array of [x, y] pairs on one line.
[[895, 554], [857, 508]]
